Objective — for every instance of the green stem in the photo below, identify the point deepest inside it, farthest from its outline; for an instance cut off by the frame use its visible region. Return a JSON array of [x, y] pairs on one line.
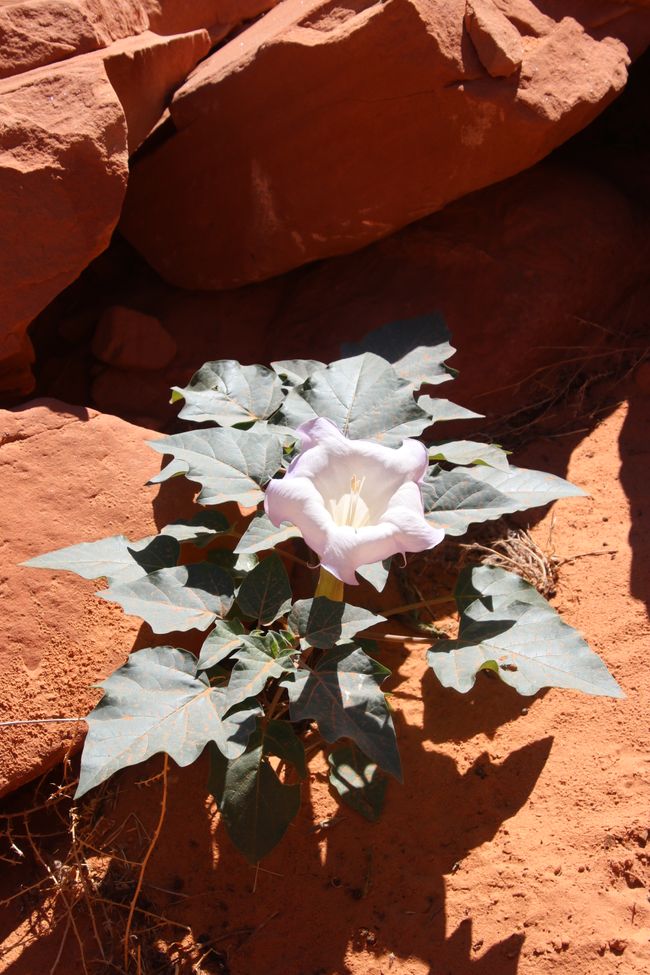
[[423, 604], [330, 586]]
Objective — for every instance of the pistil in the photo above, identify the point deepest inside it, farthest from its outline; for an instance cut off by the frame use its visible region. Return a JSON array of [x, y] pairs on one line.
[[350, 509]]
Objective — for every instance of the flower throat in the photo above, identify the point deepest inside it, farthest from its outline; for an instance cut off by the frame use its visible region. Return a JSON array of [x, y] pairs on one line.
[[350, 509]]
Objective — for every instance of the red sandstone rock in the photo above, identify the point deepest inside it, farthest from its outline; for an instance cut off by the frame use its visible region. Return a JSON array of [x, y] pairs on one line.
[[321, 129], [129, 339], [65, 134], [38, 32], [63, 171], [176, 16], [497, 41], [144, 71], [71, 475]]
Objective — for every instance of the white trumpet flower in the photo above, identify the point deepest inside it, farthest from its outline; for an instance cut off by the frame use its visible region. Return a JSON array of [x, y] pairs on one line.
[[355, 502]]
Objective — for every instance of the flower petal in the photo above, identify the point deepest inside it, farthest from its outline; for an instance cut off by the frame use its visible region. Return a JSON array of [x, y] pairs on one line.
[[295, 499], [405, 512], [331, 461], [324, 472], [348, 549]]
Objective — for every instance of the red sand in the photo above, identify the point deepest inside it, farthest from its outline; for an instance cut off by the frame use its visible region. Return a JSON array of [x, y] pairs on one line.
[[520, 841]]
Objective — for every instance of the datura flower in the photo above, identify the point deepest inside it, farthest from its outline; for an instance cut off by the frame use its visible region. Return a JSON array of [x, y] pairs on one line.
[[355, 502]]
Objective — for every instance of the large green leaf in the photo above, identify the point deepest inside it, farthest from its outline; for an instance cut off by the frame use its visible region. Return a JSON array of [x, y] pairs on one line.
[[341, 693], [525, 488], [175, 468], [507, 627], [470, 452], [364, 396], [160, 552], [256, 807], [226, 637], [455, 499], [200, 529], [359, 782], [230, 465], [262, 534], [237, 565], [265, 593], [376, 574], [228, 393], [109, 558], [293, 372], [417, 348], [187, 597], [258, 659], [443, 410], [156, 703], [323, 622]]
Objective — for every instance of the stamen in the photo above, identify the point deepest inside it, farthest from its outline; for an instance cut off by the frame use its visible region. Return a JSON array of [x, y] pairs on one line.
[[350, 509], [355, 490]]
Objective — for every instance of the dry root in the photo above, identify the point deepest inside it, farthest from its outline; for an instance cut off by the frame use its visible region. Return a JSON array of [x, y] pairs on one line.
[[75, 884], [518, 552]]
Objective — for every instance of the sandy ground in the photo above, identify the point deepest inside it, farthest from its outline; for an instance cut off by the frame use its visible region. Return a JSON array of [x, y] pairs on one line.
[[520, 840]]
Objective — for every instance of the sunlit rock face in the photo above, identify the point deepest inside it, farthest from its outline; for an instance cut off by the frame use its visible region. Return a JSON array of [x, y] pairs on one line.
[[82, 84], [328, 125]]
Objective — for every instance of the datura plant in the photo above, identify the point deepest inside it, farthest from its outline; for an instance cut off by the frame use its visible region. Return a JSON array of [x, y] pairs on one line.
[[328, 456]]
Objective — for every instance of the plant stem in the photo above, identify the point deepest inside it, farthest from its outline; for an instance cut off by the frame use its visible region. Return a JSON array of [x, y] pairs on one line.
[[330, 586], [397, 638], [438, 601], [274, 703]]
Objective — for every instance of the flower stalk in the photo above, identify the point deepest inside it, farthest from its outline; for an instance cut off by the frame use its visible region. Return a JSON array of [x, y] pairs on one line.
[[330, 586]]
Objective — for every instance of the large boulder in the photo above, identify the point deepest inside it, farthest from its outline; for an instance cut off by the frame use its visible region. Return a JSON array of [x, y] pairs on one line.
[[67, 475], [63, 172], [66, 131], [38, 32], [85, 81], [324, 127]]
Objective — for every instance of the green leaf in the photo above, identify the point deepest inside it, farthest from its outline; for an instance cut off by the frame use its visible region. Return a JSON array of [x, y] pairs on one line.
[[188, 597], [508, 627], [527, 489], [376, 574], [109, 558], [156, 703], [237, 565], [359, 782], [175, 468], [230, 465], [258, 660], [281, 740], [265, 594], [417, 348], [294, 411], [200, 529], [160, 552], [323, 622], [453, 500], [341, 693], [262, 534], [228, 393], [443, 410], [256, 807], [363, 396], [224, 639], [470, 452], [292, 372]]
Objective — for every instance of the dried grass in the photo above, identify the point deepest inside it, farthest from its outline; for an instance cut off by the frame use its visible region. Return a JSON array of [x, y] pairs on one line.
[[75, 882]]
